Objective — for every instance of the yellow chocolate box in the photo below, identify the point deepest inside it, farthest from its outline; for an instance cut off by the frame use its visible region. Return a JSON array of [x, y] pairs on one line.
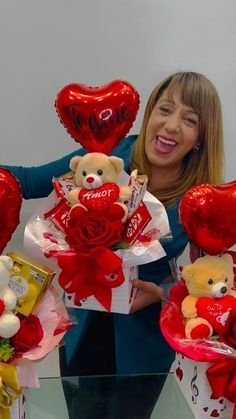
[[29, 279]]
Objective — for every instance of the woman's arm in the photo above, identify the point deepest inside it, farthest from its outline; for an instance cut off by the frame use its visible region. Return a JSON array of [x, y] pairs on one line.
[[36, 181]]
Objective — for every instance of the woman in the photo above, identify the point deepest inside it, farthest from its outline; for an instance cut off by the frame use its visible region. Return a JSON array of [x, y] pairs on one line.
[[180, 145]]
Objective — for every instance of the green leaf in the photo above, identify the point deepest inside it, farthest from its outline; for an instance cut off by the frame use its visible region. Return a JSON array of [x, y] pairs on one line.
[[5, 350]]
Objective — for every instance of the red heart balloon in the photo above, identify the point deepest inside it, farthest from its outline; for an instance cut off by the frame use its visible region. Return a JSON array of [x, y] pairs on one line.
[[208, 215], [10, 205], [98, 117]]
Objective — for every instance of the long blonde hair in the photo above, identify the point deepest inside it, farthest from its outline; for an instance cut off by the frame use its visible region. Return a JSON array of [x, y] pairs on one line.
[[205, 165]]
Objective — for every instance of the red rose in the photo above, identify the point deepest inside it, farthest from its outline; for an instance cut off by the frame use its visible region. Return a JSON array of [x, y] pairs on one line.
[[29, 335], [93, 229]]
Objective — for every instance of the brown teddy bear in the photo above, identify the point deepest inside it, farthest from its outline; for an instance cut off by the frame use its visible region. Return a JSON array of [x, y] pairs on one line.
[[95, 178], [211, 304]]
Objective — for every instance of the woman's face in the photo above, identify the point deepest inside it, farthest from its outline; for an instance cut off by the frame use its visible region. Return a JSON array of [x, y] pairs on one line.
[[172, 131]]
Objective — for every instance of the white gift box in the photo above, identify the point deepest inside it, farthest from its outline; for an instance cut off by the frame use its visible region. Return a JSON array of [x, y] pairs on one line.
[[122, 296], [19, 407], [192, 380]]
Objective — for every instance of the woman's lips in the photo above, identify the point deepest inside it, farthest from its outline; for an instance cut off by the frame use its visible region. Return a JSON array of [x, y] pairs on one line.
[[164, 145]]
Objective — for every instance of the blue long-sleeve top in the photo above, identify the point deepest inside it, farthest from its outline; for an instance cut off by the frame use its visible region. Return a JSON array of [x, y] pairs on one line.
[[140, 346]]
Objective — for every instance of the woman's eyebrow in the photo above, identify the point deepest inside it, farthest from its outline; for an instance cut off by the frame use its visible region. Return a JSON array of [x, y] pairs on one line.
[[172, 102]]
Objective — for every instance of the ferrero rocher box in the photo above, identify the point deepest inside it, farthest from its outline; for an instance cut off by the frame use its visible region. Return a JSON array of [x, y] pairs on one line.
[[29, 279]]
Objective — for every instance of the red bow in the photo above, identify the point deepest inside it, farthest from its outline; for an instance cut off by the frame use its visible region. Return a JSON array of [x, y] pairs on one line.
[[222, 378], [93, 273]]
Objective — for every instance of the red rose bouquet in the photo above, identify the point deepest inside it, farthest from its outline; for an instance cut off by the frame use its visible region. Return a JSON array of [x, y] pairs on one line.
[[98, 241]]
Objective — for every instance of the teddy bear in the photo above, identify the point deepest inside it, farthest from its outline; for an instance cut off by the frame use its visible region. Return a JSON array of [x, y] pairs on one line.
[[9, 322], [211, 304], [95, 178]]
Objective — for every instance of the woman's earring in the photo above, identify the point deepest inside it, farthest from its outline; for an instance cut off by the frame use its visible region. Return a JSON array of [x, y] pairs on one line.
[[196, 147]]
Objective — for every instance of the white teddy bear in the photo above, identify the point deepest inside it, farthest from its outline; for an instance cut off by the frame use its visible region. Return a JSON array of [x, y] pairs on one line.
[[9, 322]]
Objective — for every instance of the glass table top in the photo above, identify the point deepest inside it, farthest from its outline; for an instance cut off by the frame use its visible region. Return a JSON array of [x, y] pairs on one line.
[[108, 397]]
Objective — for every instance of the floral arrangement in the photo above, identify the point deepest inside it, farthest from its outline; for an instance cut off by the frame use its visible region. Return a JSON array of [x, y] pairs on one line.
[[37, 334], [205, 367], [97, 252]]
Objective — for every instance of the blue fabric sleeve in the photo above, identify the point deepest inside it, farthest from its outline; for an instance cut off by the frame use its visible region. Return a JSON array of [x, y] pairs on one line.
[[36, 181]]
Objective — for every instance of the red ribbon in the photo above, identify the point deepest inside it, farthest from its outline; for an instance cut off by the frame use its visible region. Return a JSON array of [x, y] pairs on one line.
[[222, 379], [93, 273]]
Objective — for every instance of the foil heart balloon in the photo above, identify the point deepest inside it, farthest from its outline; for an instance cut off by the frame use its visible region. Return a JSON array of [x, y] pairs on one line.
[[98, 117], [10, 204], [208, 215]]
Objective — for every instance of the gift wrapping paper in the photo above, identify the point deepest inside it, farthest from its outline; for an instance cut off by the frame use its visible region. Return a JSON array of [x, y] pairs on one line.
[[19, 407], [122, 296], [192, 380]]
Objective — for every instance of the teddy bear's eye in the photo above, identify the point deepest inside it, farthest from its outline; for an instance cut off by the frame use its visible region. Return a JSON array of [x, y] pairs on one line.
[[226, 279], [99, 172], [210, 281], [84, 173]]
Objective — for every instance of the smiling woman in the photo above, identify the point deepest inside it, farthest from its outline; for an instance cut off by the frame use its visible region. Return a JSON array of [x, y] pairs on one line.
[[181, 139], [180, 145], [172, 131]]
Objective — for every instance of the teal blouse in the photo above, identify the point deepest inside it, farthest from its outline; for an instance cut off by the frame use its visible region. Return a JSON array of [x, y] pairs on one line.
[[140, 346]]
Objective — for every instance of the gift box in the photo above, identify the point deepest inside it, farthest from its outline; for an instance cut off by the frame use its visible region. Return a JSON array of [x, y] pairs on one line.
[[121, 297], [191, 377], [19, 409]]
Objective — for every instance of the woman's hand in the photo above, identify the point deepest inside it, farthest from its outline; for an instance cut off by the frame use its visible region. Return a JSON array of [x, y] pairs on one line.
[[147, 293]]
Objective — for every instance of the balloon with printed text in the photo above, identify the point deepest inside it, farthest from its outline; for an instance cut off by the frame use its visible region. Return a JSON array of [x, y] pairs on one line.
[[98, 117]]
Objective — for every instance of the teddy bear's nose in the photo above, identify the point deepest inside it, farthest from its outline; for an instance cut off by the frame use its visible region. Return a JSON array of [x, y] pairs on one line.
[[90, 179], [223, 290]]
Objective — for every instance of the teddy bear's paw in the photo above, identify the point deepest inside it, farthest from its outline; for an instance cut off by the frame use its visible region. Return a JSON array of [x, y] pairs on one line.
[[118, 211], [9, 299], [77, 211], [9, 325], [198, 328]]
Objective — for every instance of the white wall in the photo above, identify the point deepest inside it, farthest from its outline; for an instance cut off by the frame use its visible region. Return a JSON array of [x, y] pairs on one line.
[[47, 44]]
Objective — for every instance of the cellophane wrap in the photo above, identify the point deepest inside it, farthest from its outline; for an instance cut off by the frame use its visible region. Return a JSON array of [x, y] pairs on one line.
[[44, 239], [205, 369]]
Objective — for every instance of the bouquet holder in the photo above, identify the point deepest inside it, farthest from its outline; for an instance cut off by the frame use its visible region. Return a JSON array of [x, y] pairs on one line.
[[45, 236], [205, 370]]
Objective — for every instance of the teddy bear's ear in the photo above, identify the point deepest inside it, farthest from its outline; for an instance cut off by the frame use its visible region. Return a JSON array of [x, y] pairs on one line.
[[187, 272], [74, 162], [7, 262], [228, 258], [117, 162]]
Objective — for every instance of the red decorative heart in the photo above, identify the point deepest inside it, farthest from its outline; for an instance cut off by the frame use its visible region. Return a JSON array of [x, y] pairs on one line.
[[98, 117], [179, 373], [214, 414], [100, 198], [205, 409], [208, 215], [221, 401], [10, 205], [2, 307], [219, 312]]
